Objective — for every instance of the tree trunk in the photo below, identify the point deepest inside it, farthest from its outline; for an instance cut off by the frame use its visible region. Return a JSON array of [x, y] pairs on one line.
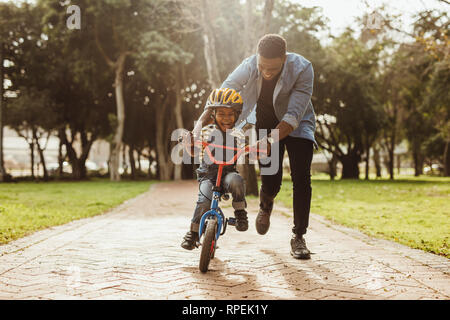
[[78, 164], [124, 159], [418, 160], [248, 172], [267, 16], [178, 114], [391, 163], [249, 32], [114, 161], [2, 165], [60, 159], [350, 169], [165, 166], [139, 162], [209, 44], [41, 155], [332, 163], [31, 145], [367, 163], [377, 161], [132, 162], [447, 159], [78, 169], [392, 143], [252, 180], [150, 173], [117, 143]]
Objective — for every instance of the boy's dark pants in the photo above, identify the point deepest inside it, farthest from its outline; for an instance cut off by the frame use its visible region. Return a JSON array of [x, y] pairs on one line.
[[300, 152], [232, 183]]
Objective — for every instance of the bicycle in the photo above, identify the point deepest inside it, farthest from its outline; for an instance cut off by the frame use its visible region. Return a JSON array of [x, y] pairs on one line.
[[213, 223]]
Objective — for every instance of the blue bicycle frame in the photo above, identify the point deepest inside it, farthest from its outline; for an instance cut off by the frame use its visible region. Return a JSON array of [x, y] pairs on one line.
[[215, 211]]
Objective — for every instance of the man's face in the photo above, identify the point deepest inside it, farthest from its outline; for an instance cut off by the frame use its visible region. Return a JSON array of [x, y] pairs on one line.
[[225, 118], [269, 68]]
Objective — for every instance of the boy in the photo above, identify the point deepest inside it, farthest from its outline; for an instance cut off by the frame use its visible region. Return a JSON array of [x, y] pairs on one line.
[[226, 105]]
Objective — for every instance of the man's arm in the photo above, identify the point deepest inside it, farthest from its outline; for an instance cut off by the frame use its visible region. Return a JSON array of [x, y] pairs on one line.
[[300, 97], [235, 80], [239, 77], [298, 102]]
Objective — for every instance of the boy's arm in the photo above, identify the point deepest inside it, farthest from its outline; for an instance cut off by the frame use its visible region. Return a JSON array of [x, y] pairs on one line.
[[188, 143], [204, 120]]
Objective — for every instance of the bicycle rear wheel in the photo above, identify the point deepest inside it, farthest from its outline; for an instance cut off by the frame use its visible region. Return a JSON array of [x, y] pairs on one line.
[[208, 245]]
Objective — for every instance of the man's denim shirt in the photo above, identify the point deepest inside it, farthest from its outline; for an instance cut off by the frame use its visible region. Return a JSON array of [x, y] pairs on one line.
[[291, 97]]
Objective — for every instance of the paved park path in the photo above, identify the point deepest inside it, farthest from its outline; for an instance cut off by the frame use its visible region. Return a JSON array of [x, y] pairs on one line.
[[133, 252]]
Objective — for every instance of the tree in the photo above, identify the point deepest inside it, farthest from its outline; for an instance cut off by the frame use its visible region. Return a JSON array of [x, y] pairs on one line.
[[346, 104], [31, 113], [29, 116], [432, 33], [80, 82], [8, 24], [421, 85]]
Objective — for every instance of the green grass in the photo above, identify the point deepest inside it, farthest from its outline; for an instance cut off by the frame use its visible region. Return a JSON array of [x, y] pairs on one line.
[[411, 211], [26, 207]]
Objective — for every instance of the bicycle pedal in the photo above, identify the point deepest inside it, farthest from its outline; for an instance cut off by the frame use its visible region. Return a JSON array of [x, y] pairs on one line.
[[232, 221]]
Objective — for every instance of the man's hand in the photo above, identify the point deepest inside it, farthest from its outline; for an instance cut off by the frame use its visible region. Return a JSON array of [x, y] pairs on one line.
[[261, 145]]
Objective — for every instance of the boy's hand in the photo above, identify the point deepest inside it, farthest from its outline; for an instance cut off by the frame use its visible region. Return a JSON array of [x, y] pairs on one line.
[[188, 142]]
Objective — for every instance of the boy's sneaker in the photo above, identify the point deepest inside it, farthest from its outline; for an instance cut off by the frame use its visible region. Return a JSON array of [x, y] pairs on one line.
[[190, 240], [241, 220]]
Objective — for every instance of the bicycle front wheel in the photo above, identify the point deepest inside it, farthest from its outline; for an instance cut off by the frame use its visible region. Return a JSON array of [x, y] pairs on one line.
[[208, 245]]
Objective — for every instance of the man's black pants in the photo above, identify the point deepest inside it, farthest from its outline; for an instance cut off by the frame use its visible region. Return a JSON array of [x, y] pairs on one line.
[[300, 152]]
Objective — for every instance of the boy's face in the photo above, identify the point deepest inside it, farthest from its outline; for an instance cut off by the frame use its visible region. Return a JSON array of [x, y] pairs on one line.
[[225, 118]]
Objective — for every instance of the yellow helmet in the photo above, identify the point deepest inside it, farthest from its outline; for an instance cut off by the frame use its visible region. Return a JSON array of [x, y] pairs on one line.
[[225, 97]]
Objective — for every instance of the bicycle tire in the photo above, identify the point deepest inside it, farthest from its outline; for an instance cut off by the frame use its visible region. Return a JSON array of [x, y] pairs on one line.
[[208, 245]]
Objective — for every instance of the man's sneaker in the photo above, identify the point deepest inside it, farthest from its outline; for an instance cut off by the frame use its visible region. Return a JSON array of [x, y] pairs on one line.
[[298, 248], [265, 209], [241, 220], [190, 240]]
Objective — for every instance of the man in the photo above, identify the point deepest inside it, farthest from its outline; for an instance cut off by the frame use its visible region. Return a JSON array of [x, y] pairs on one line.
[[281, 85]]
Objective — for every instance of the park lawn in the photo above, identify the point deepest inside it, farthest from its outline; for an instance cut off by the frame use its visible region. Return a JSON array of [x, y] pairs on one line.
[[412, 211], [26, 207]]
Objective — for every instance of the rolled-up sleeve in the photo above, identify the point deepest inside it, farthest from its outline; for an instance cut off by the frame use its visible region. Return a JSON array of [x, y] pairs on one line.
[[300, 97]]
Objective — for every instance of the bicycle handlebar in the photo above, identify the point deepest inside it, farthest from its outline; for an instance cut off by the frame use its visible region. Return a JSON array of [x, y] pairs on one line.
[[244, 150]]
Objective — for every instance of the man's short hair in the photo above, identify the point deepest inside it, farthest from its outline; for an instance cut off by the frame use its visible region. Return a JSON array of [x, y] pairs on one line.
[[272, 46]]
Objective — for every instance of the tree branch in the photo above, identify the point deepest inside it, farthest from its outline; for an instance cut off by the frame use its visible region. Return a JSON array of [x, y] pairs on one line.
[[100, 48]]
